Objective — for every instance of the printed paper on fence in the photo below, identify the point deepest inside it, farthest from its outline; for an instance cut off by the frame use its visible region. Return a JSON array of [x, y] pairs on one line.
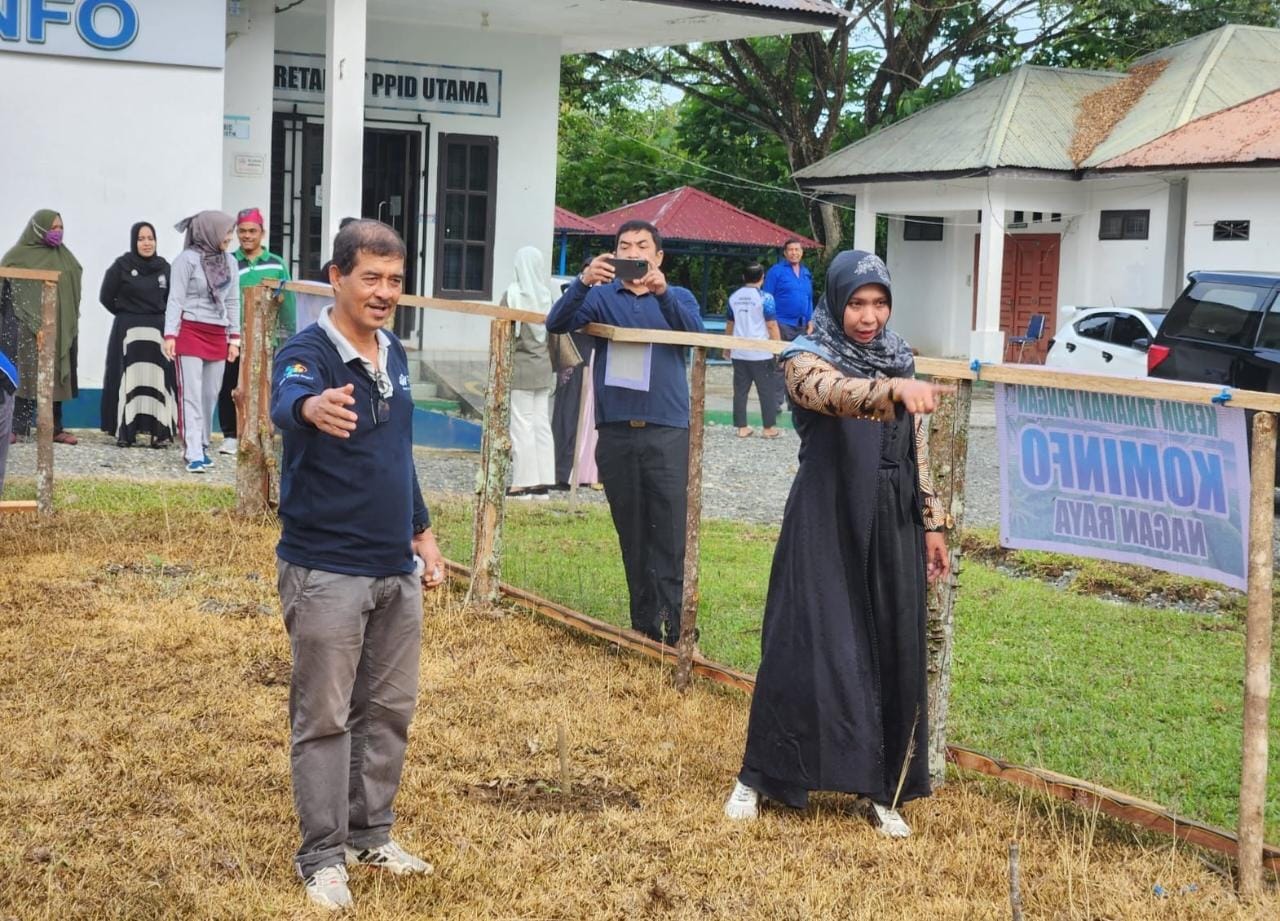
[[1131, 479]]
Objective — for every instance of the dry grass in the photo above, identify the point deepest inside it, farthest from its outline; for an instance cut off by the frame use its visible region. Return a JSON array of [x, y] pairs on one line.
[[144, 770], [1102, 110]]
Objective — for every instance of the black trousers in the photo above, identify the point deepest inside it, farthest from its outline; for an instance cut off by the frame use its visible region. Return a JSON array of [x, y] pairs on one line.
[[763, 374], [226, 405], [645, 472]]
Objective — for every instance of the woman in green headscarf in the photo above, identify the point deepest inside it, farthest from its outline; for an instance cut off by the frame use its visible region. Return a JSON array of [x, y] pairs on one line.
[[40, 247]]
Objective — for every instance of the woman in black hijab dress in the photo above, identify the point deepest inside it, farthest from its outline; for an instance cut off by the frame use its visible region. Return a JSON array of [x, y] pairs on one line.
[[138, 389], [840, 702]]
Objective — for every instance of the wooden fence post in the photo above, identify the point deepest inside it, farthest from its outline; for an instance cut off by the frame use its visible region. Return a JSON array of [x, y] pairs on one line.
[[948, 451], [495, 465], [693, 521], [46, 369], [1257, 656], [255, 458]]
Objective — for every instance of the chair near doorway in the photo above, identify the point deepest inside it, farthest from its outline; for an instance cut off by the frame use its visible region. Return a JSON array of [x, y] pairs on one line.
[[1035, 332]]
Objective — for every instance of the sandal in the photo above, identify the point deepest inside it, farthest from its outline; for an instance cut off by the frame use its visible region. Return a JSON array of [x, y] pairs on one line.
[[745, 433], [65, 438], [774, 433]]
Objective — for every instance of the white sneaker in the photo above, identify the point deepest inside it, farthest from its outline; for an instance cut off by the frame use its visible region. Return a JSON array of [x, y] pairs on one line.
[[743, 803], [229, 446], [390, 857], [327, 887], [888, 822]]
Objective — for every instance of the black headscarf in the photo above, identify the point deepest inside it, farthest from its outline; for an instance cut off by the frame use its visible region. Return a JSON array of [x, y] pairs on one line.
[[140, 264], [887, 355]]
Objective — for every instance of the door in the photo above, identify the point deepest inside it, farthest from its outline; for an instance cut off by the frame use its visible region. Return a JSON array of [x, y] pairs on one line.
[[391, 193], [1028, 285], [311, 216]]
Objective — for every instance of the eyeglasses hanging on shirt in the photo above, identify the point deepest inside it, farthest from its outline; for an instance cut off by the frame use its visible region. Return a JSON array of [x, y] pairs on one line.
[[380, 397]]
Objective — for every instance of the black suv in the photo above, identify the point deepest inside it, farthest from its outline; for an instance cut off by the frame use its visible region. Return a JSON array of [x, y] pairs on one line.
[[1223, 329]]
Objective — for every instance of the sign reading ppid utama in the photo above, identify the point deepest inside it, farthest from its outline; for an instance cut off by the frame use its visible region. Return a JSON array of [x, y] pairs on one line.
[[1136, 480], [398, 85]]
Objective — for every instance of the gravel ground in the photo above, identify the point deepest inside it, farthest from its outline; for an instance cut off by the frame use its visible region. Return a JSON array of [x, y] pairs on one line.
[[745, 479]]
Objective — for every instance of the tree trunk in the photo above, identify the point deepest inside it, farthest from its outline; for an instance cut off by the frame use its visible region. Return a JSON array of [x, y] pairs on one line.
[[255, 465], [948, 450], [495, 466], [693, 522], [46, 369]]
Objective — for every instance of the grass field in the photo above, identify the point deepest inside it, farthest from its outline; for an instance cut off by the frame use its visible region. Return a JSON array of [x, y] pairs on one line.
[[1139, 699], [144, 765]]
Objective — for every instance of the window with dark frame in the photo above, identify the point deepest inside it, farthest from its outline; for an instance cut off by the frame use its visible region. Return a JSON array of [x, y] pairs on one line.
[[922, 229], [1230, 230], [1124, 225], [465, 216]]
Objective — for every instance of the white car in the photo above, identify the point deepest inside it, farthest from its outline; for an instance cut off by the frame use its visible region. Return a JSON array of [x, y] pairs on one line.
[[1105, 340]]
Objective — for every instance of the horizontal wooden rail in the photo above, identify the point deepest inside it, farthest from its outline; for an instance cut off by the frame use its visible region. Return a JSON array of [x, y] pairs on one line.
[[1073, 790], [16, 506], [945, 368], [17, 274]]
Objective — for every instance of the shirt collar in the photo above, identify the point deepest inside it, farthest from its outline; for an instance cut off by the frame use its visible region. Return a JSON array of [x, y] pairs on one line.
[[346, 351]]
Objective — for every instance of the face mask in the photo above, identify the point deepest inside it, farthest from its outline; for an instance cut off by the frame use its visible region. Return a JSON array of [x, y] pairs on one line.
[[53, 238]]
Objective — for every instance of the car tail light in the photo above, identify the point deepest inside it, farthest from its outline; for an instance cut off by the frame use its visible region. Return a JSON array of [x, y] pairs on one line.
[[1155, 355]]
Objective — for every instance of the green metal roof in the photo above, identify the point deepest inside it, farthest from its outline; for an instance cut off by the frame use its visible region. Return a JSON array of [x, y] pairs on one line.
[[1024, 119], [1205, 74]]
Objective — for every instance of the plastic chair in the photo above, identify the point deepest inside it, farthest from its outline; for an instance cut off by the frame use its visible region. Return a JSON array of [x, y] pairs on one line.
[[1035, 332]]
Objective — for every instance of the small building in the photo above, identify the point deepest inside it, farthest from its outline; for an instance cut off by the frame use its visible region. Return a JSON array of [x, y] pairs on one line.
[[1047, 187], [436, 116]]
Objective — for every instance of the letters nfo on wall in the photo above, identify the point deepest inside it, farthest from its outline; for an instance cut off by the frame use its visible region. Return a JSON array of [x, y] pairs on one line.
[[191, 33], [396, 85]]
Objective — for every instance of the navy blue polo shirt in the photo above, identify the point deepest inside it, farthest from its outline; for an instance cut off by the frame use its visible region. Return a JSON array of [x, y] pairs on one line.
[[666, 402], [792, 294], [347, 505]]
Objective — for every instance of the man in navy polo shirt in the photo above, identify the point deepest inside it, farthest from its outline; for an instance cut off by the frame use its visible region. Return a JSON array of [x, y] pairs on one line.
[[353, 521], [792, 288], [642, 420]]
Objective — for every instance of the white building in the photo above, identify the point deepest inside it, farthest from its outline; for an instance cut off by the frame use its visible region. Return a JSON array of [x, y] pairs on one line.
[[439, 116], [1035, 160]]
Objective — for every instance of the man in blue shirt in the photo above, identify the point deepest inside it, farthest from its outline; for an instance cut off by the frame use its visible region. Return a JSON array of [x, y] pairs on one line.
[[642, 420], [792, 288], [353, 521]]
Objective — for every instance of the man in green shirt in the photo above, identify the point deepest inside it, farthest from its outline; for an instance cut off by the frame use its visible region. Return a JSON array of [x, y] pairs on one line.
[[257, 265]]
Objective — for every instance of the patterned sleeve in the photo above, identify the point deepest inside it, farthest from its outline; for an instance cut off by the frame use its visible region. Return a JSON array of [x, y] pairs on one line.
[[935, 515], [818, 386]]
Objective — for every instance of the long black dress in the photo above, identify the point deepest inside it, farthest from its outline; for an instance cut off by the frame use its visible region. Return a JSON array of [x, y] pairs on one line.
[[842, 679], [139, 391]]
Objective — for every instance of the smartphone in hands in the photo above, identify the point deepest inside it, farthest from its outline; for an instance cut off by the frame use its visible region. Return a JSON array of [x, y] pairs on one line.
[[629, 269]]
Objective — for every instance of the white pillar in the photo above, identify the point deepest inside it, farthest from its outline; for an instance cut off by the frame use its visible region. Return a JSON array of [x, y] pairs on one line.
[[343, 115], [247, 83], [864, 221], [986, 342]]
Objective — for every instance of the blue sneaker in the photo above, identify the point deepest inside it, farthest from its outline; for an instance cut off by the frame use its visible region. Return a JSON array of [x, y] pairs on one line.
[[207, 462], [195, 467]]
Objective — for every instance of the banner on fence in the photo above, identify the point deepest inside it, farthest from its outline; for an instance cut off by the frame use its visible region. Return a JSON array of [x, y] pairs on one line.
[[1131, 479]]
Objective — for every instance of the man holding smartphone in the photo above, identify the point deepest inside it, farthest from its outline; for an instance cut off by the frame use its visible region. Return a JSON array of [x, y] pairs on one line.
[[642, 416]]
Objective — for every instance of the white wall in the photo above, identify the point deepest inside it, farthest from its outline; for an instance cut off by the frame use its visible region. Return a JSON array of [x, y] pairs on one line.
[[526, 133], [1126, 273], [250, 55], [107, 144], [1244, 195], [932, 297]]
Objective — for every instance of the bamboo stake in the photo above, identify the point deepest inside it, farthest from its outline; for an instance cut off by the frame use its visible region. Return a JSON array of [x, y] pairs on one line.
[[1257, 656], [948, 451], [693, 522], [588, 381], [253, 406], [1015, 884], [46, 371], [566, 782], [495, 464]]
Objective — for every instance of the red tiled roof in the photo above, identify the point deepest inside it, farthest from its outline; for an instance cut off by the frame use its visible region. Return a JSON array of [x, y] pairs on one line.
[[1243, 133], [692, 215], [568, 222]]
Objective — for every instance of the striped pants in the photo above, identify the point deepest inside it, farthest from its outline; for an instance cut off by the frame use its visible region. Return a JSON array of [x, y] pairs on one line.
[[198, 384]]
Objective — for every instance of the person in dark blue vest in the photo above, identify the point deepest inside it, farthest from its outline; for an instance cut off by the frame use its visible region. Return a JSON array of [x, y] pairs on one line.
[[355, 552], [642, 419]]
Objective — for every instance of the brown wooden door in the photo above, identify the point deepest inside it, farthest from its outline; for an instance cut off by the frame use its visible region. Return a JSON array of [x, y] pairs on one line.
[[1028, 285]]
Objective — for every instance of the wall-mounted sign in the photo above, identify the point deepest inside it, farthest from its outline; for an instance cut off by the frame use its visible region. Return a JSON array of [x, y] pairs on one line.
[[235, 126], [398, 85], [192, 33], [249, 165]]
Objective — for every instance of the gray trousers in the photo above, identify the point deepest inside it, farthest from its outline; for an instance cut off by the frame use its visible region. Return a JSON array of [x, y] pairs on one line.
[[355, 643], [6, 426], [198, 383]]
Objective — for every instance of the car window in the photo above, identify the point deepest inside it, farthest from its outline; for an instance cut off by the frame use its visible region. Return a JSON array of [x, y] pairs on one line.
[[1269, 338], [1094, 327], [1127, 328], [1216, 312]]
